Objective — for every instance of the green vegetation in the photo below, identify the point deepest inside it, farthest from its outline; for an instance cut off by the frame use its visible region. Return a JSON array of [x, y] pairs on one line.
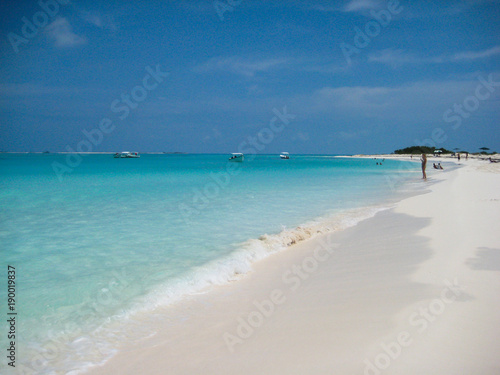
[[421, 150], [432, 150], [484, 151]]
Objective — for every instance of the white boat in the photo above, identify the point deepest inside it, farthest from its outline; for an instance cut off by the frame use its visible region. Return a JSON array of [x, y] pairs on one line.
[[236, 156], [285, 155], [127, 154]]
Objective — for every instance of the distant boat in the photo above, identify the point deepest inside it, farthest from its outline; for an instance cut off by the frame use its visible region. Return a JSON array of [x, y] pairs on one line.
[[236, 156], [127, 154], [285, 155]]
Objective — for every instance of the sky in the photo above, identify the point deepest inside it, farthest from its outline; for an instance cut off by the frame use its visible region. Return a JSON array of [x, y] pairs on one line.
[[303, 76]]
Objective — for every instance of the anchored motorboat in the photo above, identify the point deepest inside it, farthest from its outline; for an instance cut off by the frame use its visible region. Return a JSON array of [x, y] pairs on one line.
[[127, 154], [236, 156]]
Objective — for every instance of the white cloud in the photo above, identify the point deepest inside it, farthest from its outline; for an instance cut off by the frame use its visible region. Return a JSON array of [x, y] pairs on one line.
[[92, 18], [62, 33], [361, 5], [325, 8], [326, 68], [475, 55], [399, 57], [240, 66], [418, 101], [355, 97], [98, 20], [249, 68]]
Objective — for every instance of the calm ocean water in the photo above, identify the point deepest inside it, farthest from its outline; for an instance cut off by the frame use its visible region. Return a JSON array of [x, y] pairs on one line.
[[115, 237]]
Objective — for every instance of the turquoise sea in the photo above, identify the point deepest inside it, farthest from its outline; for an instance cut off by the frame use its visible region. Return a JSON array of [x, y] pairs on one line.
[[112, 238]]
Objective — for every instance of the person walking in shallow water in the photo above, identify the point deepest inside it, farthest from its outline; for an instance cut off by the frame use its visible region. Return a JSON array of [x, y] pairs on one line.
[[423, 158]]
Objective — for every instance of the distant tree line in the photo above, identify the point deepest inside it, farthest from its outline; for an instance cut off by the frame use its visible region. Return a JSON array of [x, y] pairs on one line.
[[421, 150], [432, 150]]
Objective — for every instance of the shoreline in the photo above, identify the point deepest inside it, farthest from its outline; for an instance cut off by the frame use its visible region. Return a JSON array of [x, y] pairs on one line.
[[354, 294]]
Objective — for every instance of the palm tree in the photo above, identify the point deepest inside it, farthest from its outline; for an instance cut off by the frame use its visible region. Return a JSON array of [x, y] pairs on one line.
[[484, 150]]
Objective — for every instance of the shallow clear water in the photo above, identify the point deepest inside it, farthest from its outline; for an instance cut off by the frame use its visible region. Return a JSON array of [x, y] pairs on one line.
[[117, 236]]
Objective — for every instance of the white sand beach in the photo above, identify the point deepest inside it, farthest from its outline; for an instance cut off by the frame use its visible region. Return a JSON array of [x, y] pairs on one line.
[[413, 290]]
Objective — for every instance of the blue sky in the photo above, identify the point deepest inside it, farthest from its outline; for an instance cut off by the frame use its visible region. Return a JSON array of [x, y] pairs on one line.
[[360, 76]]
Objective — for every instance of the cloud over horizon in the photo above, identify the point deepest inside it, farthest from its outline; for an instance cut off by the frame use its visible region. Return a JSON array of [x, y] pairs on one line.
[[61, 32]]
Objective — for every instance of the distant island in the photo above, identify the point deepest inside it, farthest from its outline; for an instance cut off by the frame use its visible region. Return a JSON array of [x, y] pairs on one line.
[[422, 150], [432, 150]]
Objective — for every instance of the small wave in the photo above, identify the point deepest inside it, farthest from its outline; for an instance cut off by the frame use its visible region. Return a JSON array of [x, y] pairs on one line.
[[257, 249], [240, 261], [94, 349]]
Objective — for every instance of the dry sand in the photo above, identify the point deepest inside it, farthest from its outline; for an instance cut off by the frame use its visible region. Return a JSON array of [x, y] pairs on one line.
[[413, 290]]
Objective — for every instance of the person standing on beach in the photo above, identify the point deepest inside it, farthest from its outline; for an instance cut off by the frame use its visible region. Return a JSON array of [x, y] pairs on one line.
[[423, 158]]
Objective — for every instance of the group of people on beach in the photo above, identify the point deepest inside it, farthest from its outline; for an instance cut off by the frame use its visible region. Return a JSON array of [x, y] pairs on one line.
[[423, 159]]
